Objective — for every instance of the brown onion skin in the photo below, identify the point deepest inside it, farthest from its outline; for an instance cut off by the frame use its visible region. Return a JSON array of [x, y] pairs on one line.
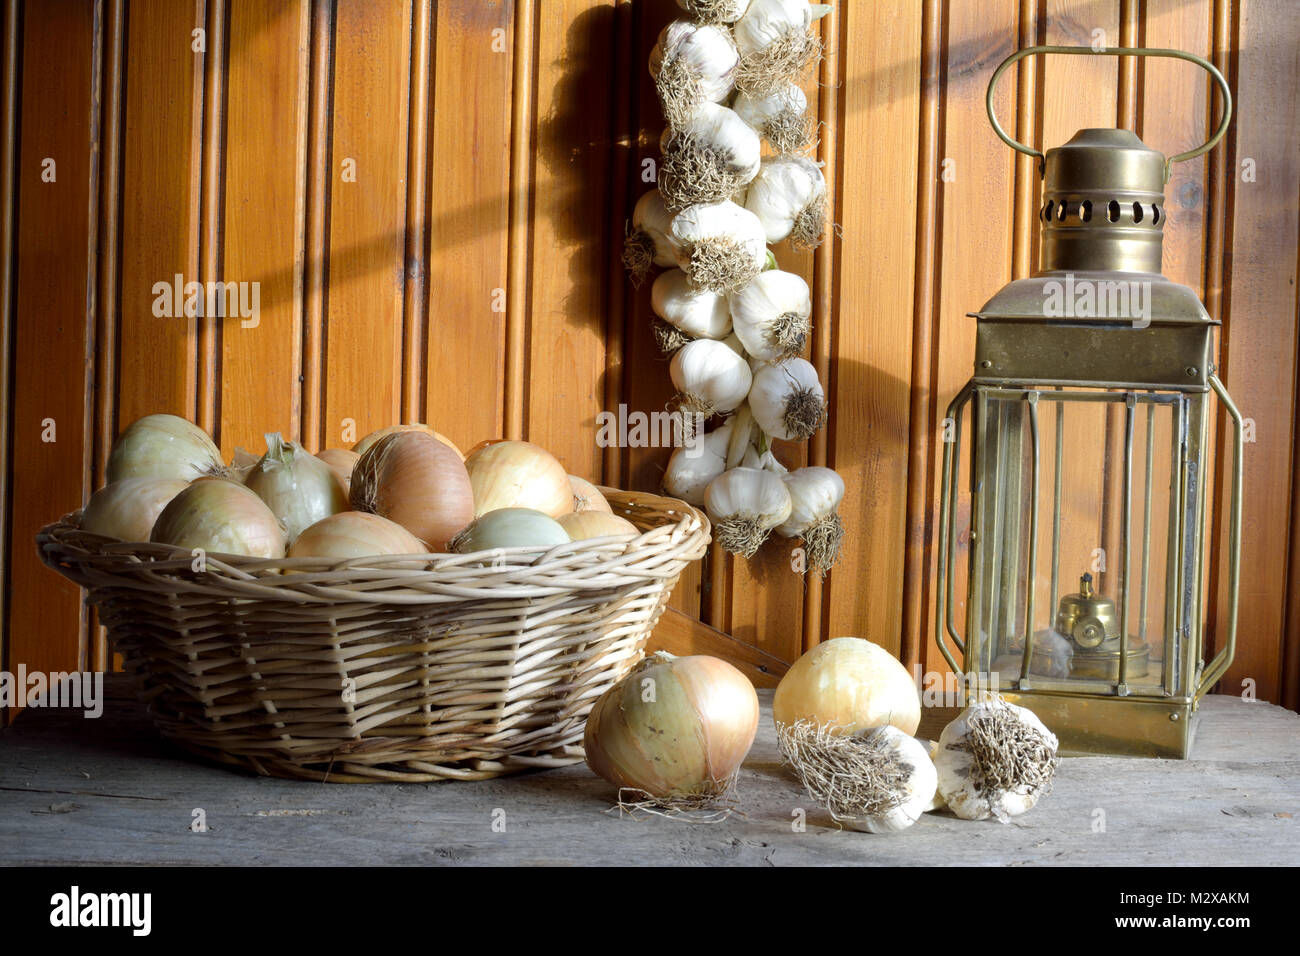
[[414, 479], [662, 756], [542, 486], [341, 461]]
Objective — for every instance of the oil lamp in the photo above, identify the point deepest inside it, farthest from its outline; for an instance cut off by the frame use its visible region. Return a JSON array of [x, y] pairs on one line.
[[1087, 462]]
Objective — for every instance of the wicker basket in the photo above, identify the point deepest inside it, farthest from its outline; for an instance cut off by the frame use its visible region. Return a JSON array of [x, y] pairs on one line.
[[409, 670]]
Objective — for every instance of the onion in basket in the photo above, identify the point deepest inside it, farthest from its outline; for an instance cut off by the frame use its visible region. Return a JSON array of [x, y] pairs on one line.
[[355, 534], [341, 462], [164, 446], [298, 487], [222, 517], [586, 496], [366, 442], [675, 729], [510, 528], [412, 478], [127, 509], [595, 524], [518, 474]]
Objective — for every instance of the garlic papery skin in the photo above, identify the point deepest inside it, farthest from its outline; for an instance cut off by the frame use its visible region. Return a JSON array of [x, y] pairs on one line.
[[776, 44], [692, 64], [815, 496], [878, 780], [690, 471], [715, 11], [721, 246], [995, 760], [789, 198], [772, 315], [787, 400], [650, 241], [708, 158], [710, 377], [745, 504], [698, 313], [780, 117]]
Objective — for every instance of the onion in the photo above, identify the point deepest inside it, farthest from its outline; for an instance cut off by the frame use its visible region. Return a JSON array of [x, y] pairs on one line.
[[518, 474], [674, 728], [365, 444], [127, 509], [510, 528], [298, 487], [222, 517], [418, 481], [164, 446], [341, 462], [355, 534], [586, 496], [581, 525], [849, 685]]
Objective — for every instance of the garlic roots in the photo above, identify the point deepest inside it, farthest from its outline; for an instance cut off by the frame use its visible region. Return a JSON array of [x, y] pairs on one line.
[[787, 400], [788, 195], [815, 496], [745, 504], [708, 158], [692, 64], [772, 315]]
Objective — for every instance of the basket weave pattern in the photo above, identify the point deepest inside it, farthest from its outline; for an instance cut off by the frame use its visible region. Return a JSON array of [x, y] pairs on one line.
[[410, 669]]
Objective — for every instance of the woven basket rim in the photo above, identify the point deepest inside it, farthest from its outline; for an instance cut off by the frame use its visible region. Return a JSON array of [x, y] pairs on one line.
[[677, 531]]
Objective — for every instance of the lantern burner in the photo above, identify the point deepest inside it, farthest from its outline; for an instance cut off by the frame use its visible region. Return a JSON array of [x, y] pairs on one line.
[[1091, 622]]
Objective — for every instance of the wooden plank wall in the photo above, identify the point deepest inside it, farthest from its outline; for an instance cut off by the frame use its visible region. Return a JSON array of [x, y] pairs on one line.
[[431, 195]]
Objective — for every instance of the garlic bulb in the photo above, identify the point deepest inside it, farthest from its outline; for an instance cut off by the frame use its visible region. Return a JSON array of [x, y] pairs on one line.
[[789, 198], [721, 246], [697, 313], [780, 117], [708, 157], [815, 496], [650, 240], [787, 400], [772, 315], [710, 377], [714, 11], [692, 64], [745, 504], [775, 43], [692, 467], [878, 780], [995, 760]]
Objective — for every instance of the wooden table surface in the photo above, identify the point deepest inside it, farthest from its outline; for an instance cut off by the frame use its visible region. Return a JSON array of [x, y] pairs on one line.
[[109, 791]]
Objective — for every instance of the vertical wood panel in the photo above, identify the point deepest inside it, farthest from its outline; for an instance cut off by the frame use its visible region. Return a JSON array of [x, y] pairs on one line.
[[469, 218], [9, 110], [871, 400], [261, 362], [363, 333], [55, 280], [1260, 328], [570, 176]]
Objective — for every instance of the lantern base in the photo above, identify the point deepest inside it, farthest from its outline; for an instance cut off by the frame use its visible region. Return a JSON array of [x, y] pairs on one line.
[[1115, 726]]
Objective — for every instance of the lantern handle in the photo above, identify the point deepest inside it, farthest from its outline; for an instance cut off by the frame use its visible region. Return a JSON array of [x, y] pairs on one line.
[[1219, 665], [1205, 64]]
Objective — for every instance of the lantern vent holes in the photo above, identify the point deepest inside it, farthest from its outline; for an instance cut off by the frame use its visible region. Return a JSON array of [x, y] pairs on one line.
[[1155, 214], [1112, 211], [1137, 212], [1059, 211], [1047, 212], [1085, 210]]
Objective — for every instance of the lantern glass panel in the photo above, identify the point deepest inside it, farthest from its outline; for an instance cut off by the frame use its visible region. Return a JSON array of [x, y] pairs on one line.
[[1079, 494]]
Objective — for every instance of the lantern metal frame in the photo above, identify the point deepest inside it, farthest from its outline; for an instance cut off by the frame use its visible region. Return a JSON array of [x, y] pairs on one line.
[[1025, 360]]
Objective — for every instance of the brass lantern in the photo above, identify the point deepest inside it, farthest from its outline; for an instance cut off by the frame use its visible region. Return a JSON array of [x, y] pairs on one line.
[[1087, 462]]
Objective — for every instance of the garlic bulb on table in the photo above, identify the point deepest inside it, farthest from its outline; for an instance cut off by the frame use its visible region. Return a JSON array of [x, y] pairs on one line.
[[789, 198], [691, 312], [710, 377], [815, 496], [780, 117], [995, 760], [721, 246], [776, 43], [772, 315], [787, 400], [692, 64], [745, 504], [878, 780], [714, 11], [708, 158], [649, 241]]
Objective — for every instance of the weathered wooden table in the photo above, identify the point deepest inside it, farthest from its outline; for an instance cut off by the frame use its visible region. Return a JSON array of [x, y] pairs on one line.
[[109, 791]]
